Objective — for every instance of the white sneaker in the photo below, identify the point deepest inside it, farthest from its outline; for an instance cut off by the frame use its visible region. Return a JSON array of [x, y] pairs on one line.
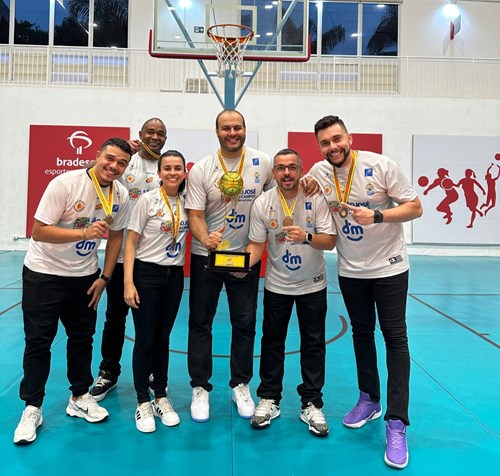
[[86, 407], [200, 407], [316, 420], [243, 400], [144, 418], [266, 411], [31, 419], [164, 410]]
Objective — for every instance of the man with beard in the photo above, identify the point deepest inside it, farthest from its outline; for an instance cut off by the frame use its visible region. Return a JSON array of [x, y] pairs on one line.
[[61, 279], [140, 177], [219, 220], [369, 199], [297, 229]]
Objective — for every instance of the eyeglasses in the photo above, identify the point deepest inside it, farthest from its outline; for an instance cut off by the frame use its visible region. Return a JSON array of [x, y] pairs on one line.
[[282, 168]]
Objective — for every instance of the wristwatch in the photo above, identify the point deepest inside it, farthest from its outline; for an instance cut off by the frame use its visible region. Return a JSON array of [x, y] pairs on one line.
[[378, 216], [309, 238], [105, 278]]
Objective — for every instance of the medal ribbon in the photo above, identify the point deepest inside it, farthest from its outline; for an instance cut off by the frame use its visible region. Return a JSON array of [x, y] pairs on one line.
[[347, 190], [288, 211], [149, 151], [176, 217], [240, 165], [107, 204]]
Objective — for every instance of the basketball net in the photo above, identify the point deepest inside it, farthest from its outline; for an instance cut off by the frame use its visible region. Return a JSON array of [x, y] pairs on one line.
[[229, 45]]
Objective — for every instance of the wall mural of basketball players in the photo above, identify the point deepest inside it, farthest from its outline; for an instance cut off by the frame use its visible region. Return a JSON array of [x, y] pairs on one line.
[[458, 179]]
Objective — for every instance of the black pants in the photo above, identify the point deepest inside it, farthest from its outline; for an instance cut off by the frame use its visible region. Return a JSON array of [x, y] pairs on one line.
[[311, 314], [388, 297], [160, 292], [46, 299], [204, 295], [113, 335]]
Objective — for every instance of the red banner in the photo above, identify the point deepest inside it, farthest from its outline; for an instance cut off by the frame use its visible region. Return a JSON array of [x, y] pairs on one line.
[[306, 145], [54, 150]]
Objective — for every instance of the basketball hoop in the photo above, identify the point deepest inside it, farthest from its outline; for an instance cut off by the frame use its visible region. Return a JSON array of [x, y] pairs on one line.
[[230, 45]]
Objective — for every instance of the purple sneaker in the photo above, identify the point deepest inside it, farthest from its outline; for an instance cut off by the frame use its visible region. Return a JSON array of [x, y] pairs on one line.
[[396, 452], [364, 411]]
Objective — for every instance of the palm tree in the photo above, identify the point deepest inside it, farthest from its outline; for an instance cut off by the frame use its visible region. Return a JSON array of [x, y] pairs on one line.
[[386, 33]]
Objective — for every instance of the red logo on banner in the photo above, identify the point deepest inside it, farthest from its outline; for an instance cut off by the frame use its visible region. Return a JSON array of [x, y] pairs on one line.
[[54, 150]]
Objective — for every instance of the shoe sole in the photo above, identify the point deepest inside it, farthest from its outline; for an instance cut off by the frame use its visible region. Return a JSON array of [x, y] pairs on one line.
[[266, 424], [80, 414], [102, 396], [362, 423], [313, 430], [200, 420], [25, 441], [396, 465]]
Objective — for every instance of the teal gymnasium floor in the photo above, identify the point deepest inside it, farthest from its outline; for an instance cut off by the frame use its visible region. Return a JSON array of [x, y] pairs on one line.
[[454, 331]]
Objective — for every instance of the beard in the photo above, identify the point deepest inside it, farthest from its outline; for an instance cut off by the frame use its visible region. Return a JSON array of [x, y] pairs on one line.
[[343, 161]]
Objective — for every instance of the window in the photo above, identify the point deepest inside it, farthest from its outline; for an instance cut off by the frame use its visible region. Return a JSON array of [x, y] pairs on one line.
[[111, 23], [380, 29], [32, 22], [4, 20], [72, 26], [72, 23]]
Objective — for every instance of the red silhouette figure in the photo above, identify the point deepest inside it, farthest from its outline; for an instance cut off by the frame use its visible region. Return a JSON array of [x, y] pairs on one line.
[[468, 184], [451, 195], [491, 195]]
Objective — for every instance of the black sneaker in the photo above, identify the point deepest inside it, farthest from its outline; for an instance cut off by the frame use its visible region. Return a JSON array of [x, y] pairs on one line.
[[102, 385]]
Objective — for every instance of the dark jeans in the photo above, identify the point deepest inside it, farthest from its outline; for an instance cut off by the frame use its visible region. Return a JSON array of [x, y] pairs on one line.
[[388, 297], [204, 295], [46, 299], [113, 335], [311, 314], [160, 292]]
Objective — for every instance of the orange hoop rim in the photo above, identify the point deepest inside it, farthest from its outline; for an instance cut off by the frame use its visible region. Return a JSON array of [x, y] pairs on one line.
[[230, 39]]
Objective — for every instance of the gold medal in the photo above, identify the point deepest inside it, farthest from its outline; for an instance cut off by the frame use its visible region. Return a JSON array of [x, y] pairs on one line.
[[107, 203], [343, 198], [287, 221], [224, 245], [173, 244], [176, 216]]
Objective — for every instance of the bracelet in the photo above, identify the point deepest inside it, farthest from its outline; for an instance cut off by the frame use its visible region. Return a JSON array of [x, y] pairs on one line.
[[105, 278], [84, 233]]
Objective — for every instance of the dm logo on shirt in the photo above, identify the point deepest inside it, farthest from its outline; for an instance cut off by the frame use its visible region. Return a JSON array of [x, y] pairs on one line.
[[235, 220], [85, 247], [173, 252], [292, 262], [352, 232]]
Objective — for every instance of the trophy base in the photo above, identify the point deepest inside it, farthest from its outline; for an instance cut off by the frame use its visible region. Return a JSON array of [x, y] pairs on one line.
[[229, 261]]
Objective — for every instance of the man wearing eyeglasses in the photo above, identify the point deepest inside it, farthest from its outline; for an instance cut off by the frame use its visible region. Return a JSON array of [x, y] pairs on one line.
[[297, 228]]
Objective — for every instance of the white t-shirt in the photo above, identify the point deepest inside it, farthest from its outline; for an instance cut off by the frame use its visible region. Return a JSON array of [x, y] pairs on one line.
[[203, 194], [70, 201], [375, 250], [292, 268], [140, 177], [152, 219]]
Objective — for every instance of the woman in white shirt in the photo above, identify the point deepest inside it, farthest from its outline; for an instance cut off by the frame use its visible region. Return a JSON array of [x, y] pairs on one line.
[[154, 283]]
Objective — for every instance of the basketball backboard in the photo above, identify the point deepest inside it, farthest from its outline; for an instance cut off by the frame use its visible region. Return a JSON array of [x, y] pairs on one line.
[[280, 28]]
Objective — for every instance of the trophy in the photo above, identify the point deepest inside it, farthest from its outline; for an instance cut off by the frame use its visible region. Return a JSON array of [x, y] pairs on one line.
[[230, 185]]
